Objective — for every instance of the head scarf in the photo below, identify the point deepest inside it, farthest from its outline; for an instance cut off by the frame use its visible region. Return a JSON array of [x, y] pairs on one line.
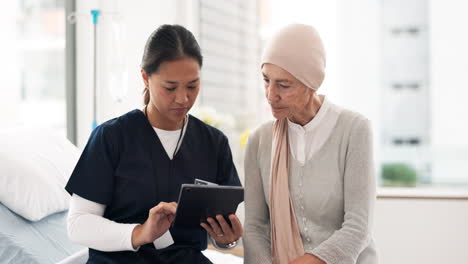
[[298, 49]]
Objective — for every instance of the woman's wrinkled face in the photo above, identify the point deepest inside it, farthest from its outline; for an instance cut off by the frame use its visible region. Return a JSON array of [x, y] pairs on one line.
[[286, 95], [174, 87]]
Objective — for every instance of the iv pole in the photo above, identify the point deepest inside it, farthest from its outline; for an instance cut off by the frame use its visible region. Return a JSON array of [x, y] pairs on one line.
[[95, 14]]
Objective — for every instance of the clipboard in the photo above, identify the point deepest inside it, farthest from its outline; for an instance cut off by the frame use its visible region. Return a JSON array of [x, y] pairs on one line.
[[197, 202]]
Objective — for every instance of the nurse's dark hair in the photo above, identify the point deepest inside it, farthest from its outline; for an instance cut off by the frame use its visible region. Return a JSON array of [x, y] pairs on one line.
[[168, 43]]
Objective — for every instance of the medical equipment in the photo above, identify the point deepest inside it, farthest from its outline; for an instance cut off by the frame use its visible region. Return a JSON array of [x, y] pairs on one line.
[[95, 14], [108, 58]]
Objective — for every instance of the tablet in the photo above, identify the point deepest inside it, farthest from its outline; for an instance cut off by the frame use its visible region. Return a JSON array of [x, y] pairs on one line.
[[197, 202]]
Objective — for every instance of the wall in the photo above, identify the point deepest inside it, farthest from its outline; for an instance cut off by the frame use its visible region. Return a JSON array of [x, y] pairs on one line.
[[449, 64], [410, 231]]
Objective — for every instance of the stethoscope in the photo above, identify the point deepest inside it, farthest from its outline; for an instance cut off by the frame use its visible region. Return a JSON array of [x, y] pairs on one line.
[[180, 135]]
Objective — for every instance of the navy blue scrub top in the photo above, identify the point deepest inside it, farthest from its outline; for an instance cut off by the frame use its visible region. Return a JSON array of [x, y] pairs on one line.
[[125, 167]]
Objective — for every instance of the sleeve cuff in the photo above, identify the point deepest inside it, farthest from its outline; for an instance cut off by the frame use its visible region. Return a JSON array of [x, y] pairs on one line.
[[163, 241], [128, 236], [329, 254]]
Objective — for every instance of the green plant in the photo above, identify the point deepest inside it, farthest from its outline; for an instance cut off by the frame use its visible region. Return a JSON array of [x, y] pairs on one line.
[[398, 175]]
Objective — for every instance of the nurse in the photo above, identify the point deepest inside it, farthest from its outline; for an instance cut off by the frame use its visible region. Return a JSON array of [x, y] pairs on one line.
[[127, 180]]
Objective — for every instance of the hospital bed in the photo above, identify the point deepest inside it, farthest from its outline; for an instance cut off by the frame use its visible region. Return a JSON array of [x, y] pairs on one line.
[[45, 242], [41, 242]]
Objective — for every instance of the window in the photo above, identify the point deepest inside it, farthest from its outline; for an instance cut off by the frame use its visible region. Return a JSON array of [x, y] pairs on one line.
[[228, 36], [34, 64], [403, 65]]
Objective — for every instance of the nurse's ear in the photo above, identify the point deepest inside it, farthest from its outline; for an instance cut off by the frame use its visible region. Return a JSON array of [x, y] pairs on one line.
[[145, 78]]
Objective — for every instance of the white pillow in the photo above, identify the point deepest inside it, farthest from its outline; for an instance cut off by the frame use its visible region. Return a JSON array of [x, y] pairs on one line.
[[34, 168]]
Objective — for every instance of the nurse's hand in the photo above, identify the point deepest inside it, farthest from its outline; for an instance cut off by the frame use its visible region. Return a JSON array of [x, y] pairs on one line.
[[221, 231], [159, 220]]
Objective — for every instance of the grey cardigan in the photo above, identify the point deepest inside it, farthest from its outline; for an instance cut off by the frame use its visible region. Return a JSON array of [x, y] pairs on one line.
[[333, 195]]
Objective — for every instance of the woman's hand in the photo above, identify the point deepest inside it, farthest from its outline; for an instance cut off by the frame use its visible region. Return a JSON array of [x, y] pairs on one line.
[[221, 231], [307, 259], [159, 220]]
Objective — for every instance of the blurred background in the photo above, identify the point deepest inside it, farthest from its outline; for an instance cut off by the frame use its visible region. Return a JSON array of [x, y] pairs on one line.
[[401, 63]]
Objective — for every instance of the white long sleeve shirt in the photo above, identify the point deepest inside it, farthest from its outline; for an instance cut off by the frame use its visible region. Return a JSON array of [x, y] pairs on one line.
[[87, 226], [308, 139]]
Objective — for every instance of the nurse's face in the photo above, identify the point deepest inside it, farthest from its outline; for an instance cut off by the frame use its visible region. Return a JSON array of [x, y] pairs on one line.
[[286, 95], [174, 88]]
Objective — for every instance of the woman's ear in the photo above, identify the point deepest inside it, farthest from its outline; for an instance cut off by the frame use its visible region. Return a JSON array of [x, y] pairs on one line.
[[308, 91], [144, 76]]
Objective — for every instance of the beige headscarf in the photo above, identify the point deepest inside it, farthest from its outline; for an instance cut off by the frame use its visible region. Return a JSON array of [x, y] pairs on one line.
[[297, 49]]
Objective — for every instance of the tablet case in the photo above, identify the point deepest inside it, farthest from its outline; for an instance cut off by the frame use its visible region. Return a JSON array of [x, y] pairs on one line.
[[197, 202]]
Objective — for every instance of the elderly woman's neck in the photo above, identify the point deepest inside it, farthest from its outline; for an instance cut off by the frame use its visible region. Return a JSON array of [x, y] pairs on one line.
[[309, 111]]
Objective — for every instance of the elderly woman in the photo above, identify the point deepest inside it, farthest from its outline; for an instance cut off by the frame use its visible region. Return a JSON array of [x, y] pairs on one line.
[[309, 175]]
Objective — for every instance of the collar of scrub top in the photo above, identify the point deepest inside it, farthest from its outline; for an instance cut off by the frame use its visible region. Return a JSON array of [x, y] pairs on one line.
[[180, 135]]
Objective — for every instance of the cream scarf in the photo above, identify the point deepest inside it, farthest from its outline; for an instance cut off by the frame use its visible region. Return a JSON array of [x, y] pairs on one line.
[[286, 242]]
